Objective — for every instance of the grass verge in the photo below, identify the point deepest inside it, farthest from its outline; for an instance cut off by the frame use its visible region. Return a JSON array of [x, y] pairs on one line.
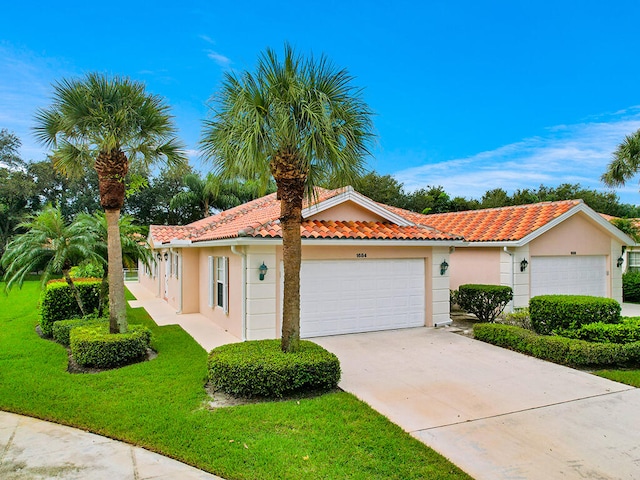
[[630, 377], [160, 405]]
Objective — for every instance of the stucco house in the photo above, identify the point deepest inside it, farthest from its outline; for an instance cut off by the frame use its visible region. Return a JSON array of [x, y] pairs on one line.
[[367, 266], [561, 247]]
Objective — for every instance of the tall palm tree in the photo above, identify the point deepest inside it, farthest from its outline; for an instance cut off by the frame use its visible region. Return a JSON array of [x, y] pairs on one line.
[[626, 162], [300, 121], [134, 245], [108, 123], [48, 245]]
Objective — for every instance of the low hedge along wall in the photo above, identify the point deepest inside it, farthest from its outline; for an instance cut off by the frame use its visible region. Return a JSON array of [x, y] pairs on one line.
[[260, 368], [58, 303], [626, 332], [94, 346], [62, 328], [565, 351], [554, 312]]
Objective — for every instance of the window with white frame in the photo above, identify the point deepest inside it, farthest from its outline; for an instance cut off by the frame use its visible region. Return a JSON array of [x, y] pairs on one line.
[[168, 263], [222, 284], [634, 261], [176, 264]]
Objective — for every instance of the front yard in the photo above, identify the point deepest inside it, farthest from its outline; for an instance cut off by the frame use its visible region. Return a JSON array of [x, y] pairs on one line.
[[161, 405]]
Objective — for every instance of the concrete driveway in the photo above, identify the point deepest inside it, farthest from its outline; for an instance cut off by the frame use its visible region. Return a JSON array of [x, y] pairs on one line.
[[495, 413]]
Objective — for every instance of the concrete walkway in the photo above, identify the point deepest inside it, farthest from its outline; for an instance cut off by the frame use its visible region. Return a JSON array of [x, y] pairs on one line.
[[495, 413], [33, 449]]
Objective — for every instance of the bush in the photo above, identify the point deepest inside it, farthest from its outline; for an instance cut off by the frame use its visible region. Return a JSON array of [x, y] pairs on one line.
[[94, 346], [565, 351], [559, 312], [485, 301], [626, 332], [62, 328], [92, 270], [58, 303], [631, 286], [260, 368], [519, 318]]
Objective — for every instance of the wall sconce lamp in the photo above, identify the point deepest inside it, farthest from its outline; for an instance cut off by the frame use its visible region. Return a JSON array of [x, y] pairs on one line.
[[158, 256], [523, 264], [166, 256], [443, 267], [620, 262], [263, 271]]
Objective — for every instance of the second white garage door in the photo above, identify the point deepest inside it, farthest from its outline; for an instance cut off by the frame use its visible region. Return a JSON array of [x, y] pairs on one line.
[[350, 296], [569, 275]]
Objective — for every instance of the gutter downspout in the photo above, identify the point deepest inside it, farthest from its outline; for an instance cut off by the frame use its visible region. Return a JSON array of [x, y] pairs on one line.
[[235, 251], [511, 254]]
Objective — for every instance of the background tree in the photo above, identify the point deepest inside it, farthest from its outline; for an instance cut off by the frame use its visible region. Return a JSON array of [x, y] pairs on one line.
[[107, 123], [299, 121], [48, 245], [625, 163]]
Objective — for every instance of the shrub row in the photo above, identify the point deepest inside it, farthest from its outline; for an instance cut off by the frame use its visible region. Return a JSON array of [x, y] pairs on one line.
[[94, 346], [485, 301], [626, 332], [260, 368], [554, 312], [61, 329], [631, 286], [58, 303], [565, 351]]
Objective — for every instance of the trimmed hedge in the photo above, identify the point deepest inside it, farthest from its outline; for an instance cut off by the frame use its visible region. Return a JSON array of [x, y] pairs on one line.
[[626, 332], [631, 287], [557, 312], [62, 328], [94, 346], [260, 368], [565, 351], [58, 303], [485, 301]]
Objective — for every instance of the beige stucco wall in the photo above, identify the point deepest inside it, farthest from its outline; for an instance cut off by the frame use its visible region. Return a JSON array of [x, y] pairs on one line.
[[190, 275], [347, 211], [149, 281], [262, 300], [576, 234], [475, 265]]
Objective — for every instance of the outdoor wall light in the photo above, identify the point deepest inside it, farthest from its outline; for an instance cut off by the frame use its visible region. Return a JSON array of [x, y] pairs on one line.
[[158, 256], [443, 267], [523, 264], [620, 262], [166, 256], [263, 271]]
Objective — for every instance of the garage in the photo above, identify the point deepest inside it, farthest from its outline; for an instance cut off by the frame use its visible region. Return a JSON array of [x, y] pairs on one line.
[[364, 295], [569, 275]]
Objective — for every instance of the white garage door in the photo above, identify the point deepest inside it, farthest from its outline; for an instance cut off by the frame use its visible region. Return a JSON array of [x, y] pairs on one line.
[[569, 275], [349, 296]]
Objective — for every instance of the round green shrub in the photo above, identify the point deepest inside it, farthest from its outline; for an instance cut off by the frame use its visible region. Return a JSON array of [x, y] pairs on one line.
[[485, 301], [631, 287], [58, 303], [62, 328], [94, 346], [551, 313], [260, 368]]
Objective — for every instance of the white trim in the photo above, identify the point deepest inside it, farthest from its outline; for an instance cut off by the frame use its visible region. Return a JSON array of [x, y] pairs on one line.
[[228, 242], [351, 195], [222, 280], [211, 281]]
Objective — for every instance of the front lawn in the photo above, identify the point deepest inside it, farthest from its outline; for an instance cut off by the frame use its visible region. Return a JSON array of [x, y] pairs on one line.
[[160, 405], [630, 377]]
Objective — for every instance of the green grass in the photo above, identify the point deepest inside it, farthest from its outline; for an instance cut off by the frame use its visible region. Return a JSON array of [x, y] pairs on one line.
[[160, 405], [630, 377]]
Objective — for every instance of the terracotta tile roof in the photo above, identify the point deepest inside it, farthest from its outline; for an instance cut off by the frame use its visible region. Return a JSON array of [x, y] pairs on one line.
[[634, 221], [260, 219], [494, 224]]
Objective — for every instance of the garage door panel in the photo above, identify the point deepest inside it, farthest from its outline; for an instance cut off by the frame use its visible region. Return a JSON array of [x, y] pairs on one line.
[[342, 296], [569, 275]]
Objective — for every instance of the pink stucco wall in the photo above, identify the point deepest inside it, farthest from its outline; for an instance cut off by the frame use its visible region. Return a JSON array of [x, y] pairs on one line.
[[347, 211], [474, 265], [576, 234]]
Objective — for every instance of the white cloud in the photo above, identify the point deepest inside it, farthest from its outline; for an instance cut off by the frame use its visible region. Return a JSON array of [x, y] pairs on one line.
[[218, 58], [576, 153], [207, 39]]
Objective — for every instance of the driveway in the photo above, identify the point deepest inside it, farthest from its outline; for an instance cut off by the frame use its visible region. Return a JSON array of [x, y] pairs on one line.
[[495, 413]]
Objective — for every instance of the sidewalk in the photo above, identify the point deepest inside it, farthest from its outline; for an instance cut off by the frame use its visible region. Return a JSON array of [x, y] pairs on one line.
[[38, 450]]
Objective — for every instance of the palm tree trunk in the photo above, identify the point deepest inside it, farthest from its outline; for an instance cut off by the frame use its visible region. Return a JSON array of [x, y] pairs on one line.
[[117, 305], [104, 291], [74, 290], [290, 220]]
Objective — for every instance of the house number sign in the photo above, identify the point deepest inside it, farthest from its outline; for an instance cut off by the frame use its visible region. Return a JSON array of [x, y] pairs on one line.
[[361, 255]]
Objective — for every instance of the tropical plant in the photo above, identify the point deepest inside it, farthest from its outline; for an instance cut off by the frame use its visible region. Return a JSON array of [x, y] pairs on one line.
[[625, 163], [50, 246], [108, 123], [134, 246], [301, 122]]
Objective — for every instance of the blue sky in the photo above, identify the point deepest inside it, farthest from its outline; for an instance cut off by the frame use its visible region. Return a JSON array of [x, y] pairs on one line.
[[470, 95]]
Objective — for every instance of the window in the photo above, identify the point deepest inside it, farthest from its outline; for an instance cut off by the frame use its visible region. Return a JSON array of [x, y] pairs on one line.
[[168, 264], [634, 262], [222, 287], [176, 264]]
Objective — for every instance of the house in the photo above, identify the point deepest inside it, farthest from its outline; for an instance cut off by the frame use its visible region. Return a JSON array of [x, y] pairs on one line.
[[561, 247], [365, 267]]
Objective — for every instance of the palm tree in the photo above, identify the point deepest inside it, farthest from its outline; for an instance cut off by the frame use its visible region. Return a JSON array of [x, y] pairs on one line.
[[134, 245], [299, 121], [48, 245], [108, 123], [625, 163]]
